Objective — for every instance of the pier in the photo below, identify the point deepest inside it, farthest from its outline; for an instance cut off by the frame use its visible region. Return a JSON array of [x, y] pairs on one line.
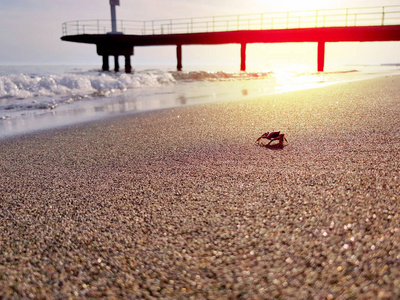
[[368, 24]]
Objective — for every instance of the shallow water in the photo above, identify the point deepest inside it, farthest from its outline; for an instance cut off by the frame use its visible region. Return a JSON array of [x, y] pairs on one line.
[[39, 97]]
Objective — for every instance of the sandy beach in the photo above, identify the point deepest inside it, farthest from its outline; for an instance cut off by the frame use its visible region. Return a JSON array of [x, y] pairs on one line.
[[181, 203]]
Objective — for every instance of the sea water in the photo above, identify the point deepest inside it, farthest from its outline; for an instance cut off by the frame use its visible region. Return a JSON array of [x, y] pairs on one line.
[[41, 97]]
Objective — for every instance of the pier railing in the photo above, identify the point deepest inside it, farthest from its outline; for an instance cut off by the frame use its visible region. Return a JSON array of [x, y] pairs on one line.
[[365, 16]]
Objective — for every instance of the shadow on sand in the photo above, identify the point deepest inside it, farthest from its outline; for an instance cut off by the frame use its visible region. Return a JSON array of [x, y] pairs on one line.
[[273, 146]]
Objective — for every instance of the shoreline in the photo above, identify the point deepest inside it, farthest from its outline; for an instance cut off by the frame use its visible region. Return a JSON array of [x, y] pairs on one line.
[[143, 100], [180, 203]]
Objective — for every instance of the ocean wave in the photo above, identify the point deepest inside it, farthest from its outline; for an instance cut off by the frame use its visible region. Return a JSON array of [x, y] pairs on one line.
[[23, 86]]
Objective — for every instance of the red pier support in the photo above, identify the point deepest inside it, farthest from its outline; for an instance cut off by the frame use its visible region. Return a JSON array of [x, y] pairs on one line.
[[321, 56], [128, 66], [116, 63], [243, 56], [106, 66], [179, 57], [108, 49]]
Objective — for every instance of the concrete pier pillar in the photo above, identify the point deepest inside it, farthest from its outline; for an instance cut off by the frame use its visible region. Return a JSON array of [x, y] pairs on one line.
[[179, 57], [128, 67], [321, 56], [106, 66], [243, 57], [113, 19], [116, 63]]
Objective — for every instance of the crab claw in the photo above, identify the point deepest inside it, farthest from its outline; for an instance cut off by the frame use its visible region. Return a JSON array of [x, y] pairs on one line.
[[264, 136]]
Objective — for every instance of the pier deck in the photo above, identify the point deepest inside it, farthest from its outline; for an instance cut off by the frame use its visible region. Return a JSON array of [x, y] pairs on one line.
[[362, 25]]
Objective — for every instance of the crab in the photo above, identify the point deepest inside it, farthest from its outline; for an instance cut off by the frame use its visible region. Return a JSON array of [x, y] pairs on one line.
[[272, 136]]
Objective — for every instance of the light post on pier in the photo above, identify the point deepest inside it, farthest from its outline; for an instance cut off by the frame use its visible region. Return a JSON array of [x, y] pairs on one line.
[[113, 3]]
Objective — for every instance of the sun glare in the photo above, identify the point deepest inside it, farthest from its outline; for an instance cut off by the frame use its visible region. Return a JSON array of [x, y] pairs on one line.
[[295, 5]]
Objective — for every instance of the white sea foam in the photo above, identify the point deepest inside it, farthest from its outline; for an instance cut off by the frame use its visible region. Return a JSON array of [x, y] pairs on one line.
[[22, 86], [39, 90], [35, 92]]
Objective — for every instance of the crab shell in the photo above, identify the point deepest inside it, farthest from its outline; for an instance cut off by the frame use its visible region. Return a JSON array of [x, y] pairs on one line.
[[271, 135]]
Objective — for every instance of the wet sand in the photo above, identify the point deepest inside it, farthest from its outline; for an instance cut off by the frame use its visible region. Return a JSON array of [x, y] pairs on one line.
[[180, 203]]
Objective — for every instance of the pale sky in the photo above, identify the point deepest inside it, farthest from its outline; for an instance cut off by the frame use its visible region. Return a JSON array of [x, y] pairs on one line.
[[30, 32]]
